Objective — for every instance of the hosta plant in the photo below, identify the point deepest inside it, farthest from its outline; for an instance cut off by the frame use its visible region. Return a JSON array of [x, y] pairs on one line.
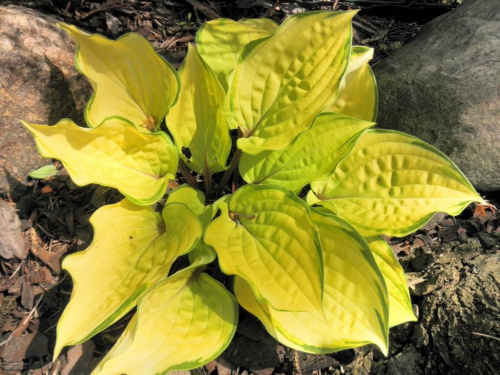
[[258, 156]]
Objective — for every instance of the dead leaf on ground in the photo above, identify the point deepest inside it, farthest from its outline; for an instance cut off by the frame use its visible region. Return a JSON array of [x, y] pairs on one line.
[[12, 242]]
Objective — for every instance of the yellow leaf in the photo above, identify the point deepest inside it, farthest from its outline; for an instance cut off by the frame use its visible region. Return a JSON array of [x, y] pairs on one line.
[[400, 309], [312, 156], [183, 323], [264, 234], [129, 78], [133, 248], [281, 83], [355, 297], [392, 183], [221, 41], [196, 122], [358, 94], [195, 199], [114, 154]]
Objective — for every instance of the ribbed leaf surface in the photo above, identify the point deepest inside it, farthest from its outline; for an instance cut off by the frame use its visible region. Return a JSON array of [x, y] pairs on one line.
[[221, 41], [355, 299], [392, 184], [312, 156], [264, 234], [281, 83]]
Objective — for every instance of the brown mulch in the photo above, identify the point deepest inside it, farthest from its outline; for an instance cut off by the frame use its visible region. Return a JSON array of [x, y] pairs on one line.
[[54, 213], [385, 25]]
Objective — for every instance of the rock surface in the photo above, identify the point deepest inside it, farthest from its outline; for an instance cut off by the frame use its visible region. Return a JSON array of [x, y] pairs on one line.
[[38, 83], [444, 87], [458, 329]]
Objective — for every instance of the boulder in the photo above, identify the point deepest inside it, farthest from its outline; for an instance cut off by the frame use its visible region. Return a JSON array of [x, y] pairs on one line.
[[458, 304], [38, 83], [444, 87]]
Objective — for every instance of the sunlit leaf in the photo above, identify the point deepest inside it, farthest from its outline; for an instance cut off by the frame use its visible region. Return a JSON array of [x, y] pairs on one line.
[[264, 234], [358, 94], [392, 184], [114, 154], [313, 155], [355, 299], [186, 321], [220, 42], [281, 83], [129, 78], [400, 310], [196, 121], [133, 248]]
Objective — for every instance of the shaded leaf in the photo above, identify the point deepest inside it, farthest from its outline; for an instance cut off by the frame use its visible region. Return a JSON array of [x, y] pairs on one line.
[[133, 248], [358, 94], [196, 121], [220, 42], [114, 154], [392, 184], [193, 198]]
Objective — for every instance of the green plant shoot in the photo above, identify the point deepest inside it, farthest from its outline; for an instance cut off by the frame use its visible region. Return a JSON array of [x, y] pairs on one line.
[[278, 177]]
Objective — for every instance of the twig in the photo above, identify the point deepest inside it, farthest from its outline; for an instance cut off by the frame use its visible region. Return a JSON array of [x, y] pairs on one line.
[[229, 171], [17, 270], [207, 178], [186, 173], [102, 8], [485, 335], [23, 324], [207, 11]]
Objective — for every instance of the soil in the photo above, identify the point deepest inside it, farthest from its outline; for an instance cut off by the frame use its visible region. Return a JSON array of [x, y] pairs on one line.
[[453, 264]]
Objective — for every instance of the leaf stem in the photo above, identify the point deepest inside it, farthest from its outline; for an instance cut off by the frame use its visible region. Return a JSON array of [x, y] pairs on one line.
[[186, 173], [229, 171], [207, 178]]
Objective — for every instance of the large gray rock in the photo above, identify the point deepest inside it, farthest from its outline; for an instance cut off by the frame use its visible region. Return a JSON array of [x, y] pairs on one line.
[[444, 87], [38, 83]]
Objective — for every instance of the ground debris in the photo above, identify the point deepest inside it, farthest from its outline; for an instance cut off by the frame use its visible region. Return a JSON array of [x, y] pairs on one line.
[[12, 241]]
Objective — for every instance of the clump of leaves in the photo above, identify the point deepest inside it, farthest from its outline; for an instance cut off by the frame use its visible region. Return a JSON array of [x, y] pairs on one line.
[[294, 209]]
